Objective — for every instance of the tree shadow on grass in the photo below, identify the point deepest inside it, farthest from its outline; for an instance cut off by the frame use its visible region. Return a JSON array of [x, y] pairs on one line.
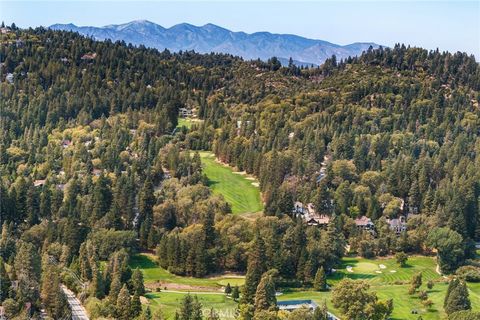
[[353, 275], [143, 262], [211, 182]]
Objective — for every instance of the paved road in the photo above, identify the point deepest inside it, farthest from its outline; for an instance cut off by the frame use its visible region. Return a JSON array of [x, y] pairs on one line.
[[78, 311]]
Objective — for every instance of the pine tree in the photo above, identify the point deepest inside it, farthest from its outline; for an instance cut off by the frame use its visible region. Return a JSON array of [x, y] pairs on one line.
[[123, 308], [146, 314], [102, 198], [5, 283], [197, 309], [115, 287], [256, 267], [321, 313], [228, 289], [235, 293], [137, 282], [265, 294], [135, 306], [28, 270], [96, 285], [320, 282], [186, 309], [457, 297]]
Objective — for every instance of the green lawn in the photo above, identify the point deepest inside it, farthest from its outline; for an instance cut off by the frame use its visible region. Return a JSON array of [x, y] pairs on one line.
[[168, 302], [387, 285], [184, 122], [152, 272], [389, 273], [240, 192], [392, 285]]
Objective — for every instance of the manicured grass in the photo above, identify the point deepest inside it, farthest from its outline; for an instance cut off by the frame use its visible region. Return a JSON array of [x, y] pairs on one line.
[[168, 302], [387, 285], [243, 196], [393, 285], [152, 272], [392, 273], [403, 303]]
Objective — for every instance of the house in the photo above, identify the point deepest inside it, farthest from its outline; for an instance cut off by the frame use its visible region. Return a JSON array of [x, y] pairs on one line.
[[39, 183], [309, 214], [9, 78], [184, 112], [398, 225], [364, 223], [299, 209], [89, 56], [319, 220], [97, 172], [291, 305]]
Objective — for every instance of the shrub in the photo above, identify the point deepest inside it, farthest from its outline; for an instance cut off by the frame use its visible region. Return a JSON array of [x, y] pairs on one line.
[[430, 284], [422, 295], [469, 273]]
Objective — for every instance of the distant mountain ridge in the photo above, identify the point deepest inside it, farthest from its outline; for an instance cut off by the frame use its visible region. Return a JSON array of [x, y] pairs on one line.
[[212, 38]]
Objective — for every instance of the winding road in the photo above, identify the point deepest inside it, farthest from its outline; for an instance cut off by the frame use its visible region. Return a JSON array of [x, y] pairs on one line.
[[78, 311]]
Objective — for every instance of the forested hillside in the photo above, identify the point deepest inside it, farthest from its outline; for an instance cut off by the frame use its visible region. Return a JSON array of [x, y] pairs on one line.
[[94, 168]]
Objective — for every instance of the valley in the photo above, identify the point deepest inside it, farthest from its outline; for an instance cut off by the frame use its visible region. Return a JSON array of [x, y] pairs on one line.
[[146, 184]]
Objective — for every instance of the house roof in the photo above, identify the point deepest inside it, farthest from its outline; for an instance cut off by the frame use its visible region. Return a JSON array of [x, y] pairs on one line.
[[39, 182], [363, 221]]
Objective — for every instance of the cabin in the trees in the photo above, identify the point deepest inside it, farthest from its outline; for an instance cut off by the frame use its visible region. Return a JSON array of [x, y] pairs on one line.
[[9, 78], [39, 182], [310, 215], [185, 112], [398, 225], [89, 56], [365, 223]]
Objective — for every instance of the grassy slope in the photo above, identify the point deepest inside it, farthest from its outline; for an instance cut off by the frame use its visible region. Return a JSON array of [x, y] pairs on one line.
[[237, 190], [153, 272]]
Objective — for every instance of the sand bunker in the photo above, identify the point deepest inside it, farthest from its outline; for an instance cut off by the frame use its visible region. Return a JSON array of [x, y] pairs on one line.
[[255, 184], [393, 271], [378, 271], [240, 172], [382, 266], [349, 269]]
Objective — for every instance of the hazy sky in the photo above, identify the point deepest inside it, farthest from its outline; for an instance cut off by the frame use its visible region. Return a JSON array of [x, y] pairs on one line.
[[447, 25]]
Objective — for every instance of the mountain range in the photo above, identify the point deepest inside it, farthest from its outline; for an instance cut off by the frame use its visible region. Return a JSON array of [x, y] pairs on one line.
[[212, 38]]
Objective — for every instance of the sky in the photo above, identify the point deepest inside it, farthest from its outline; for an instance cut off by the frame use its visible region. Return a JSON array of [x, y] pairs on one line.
[[447, 25]]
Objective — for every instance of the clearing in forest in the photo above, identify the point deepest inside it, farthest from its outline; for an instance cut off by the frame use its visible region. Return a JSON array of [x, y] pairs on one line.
[[240, 191]]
